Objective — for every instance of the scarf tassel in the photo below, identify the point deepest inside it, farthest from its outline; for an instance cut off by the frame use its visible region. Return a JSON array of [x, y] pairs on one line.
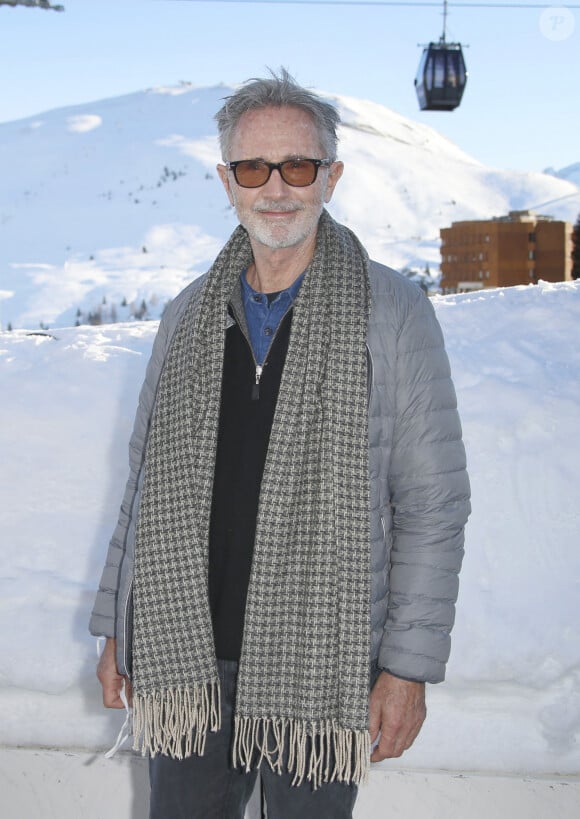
[[175, 722], [319, 752]]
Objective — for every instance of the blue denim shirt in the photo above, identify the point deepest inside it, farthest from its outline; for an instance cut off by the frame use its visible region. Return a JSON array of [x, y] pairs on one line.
[[264, 314]]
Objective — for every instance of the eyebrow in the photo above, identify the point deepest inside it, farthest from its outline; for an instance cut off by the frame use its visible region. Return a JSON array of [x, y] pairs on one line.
[[288, 158]]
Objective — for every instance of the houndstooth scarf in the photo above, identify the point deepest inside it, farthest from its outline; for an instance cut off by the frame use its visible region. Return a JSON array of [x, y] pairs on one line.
[[302, 694]]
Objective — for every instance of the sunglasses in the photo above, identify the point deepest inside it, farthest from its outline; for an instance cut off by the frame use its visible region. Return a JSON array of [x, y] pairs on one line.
[[299, 173]]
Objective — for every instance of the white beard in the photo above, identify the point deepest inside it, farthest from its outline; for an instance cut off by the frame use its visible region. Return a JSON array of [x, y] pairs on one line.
[[288, 233]]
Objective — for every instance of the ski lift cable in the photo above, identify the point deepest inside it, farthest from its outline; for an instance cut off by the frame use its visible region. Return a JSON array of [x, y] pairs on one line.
[[553, 201], [401, 3]]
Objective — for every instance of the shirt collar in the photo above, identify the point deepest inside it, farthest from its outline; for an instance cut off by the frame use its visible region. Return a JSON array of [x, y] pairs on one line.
[[289, 293]]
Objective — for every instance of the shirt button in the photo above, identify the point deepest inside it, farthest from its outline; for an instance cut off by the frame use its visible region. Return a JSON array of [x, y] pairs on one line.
[[258, 298], [267, 331]]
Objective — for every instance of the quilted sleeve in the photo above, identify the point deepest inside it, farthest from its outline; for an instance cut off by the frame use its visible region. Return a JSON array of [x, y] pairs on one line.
[[103, 618], [429, 495]]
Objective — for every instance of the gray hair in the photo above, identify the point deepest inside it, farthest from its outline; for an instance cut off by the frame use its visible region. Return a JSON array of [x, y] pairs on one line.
[[279, 91]]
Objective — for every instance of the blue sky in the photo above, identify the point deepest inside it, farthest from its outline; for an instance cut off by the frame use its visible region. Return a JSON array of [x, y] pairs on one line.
[[521, 108]]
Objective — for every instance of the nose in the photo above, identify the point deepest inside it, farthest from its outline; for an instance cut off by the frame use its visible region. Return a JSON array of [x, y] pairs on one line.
[[275, 186]]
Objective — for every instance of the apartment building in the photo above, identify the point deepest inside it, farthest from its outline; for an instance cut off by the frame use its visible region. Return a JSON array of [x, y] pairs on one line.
[[520, 248]]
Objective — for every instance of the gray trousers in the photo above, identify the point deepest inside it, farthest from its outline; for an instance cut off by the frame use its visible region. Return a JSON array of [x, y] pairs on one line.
[[207, 787]]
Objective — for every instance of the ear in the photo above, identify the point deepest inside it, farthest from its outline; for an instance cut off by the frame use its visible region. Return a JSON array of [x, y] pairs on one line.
[[334, 174], [225, 178]]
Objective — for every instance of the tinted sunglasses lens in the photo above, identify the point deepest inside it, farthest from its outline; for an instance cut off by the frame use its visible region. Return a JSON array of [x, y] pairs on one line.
[[296, 172], [299, 172], [251, 174]]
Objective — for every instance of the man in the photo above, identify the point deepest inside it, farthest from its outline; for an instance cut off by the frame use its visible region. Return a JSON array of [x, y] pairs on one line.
[[292, 528]]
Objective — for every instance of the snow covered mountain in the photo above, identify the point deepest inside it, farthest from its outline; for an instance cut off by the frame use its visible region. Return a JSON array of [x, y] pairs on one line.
[[111, 207], [571, 173]]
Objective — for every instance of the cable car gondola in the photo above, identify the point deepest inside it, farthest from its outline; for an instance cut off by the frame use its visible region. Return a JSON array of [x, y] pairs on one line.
[[442, 75]]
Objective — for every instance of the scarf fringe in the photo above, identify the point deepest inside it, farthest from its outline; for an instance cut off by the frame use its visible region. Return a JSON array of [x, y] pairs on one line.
[[320, 752], [175, 722]]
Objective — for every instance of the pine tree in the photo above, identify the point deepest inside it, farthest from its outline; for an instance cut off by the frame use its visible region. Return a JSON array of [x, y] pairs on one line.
[[576, 250], [142, 311]]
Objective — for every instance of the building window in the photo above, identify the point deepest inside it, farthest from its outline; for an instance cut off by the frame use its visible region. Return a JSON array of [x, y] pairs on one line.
[[531, 255], [531, 237]]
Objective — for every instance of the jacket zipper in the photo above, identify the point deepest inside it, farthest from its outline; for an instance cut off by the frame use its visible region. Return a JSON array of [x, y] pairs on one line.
[[256, 387], [259, 368]]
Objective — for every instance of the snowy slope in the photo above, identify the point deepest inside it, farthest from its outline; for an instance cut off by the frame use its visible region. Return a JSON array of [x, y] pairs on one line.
[[511, 702], [570, 173], [119, 199]]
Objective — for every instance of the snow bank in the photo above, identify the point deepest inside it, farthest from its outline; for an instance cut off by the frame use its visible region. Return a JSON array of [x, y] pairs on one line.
[[510, 702]]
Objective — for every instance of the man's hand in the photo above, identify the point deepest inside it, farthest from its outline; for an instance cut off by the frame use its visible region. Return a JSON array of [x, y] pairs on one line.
[[396, 709], [110, 679]]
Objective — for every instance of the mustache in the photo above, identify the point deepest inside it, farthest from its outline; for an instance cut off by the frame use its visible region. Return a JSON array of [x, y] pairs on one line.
[[277, 206]]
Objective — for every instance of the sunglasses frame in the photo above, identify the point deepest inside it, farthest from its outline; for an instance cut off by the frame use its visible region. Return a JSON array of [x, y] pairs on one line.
[[278, 166]]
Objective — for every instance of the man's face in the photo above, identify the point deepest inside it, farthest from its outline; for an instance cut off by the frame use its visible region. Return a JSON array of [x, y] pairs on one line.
[[278, 215]]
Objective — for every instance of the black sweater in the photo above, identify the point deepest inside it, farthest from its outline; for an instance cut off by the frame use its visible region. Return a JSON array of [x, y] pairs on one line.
[[244, 432]]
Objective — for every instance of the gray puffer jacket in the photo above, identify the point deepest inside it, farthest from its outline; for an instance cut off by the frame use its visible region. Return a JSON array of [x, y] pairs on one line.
[[419, 486]]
